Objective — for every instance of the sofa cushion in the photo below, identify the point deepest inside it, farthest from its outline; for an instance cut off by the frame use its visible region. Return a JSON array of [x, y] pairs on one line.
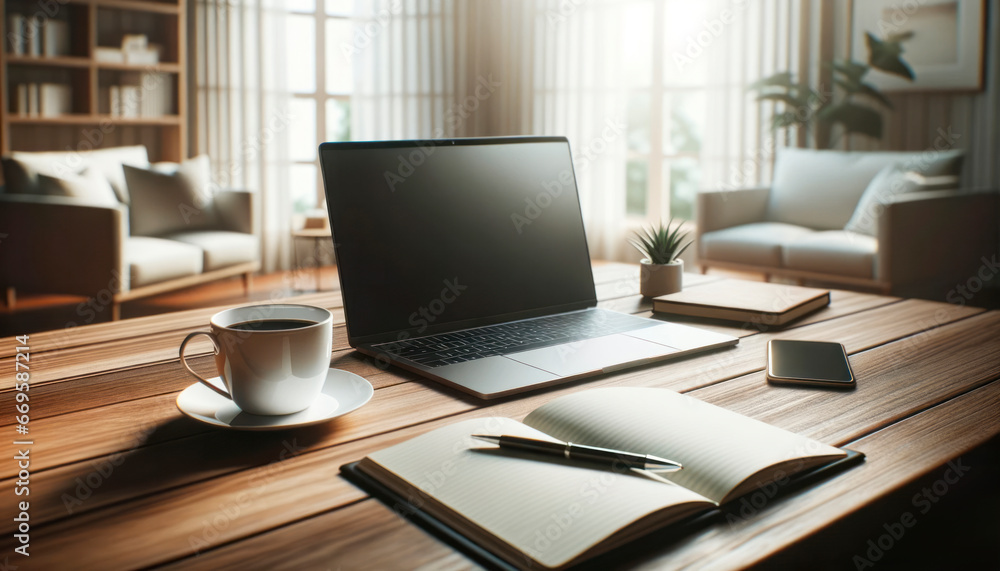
[[758, 244], [153, 260], [221, 248], [21, 169], [90, 186], [20, 173], [168, 203], [820, 189], [889, 182], [833, 252]]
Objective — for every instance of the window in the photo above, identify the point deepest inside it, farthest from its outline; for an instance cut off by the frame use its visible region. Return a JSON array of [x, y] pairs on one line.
[[320, 78], [666, 109]]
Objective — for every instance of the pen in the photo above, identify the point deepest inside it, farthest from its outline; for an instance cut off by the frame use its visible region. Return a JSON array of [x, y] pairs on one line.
[[572, 451]]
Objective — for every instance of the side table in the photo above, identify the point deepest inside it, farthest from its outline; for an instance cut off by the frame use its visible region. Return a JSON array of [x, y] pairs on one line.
[[317, 235]]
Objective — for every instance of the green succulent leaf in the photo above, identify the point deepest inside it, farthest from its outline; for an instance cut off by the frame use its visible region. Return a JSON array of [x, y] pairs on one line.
[[661, 244]]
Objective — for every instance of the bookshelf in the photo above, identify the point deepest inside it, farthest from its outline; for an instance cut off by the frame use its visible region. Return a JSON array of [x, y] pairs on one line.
[[90, 121]]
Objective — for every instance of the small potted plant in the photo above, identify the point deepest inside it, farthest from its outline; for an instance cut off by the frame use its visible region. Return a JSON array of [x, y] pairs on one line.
[[661, 270]]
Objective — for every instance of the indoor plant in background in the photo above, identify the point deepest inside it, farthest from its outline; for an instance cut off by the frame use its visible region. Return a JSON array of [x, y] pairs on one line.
[[803, 105], [661, 270]]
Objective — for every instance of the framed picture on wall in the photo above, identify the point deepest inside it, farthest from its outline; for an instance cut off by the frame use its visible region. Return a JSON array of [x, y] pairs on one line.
[[945, 50]]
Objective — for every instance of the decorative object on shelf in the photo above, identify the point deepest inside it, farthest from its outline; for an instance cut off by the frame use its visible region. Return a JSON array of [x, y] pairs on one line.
[[103, 54], [661, 271], [947, 45], [803, 105], [137, 50]]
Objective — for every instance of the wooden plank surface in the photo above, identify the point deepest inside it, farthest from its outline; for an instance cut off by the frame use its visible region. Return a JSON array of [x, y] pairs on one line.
[[115, 462], [298, 477], [945, 430], [76, 334], [859, 332]]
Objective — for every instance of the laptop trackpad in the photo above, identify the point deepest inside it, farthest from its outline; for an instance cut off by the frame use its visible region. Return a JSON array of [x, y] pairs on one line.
[[592, 355], [493, 376]]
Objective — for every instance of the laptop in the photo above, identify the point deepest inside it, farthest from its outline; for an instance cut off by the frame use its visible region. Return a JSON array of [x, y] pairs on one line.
[[466, 261]]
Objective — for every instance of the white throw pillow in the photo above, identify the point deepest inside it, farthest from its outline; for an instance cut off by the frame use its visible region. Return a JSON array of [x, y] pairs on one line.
[[820, 189], [198, 171], [89, 186], [888, 183], [21, 169], [169, 202]]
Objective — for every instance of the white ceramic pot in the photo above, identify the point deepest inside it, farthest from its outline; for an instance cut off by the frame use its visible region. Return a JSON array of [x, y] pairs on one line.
[[660, 279]]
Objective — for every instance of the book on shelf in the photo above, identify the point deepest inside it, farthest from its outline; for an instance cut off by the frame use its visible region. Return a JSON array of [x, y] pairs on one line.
[[142, 94], [749, 302], [22, 99], [55, 37], [32, 37], [54, 99], [551, 512], [16, 34], [130, 100], [32, 99], [115, 100]]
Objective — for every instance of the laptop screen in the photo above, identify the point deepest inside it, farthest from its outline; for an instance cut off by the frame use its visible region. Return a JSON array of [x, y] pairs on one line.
[[441, 234]]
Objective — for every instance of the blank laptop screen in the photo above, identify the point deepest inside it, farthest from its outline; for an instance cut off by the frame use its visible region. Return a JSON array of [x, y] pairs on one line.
[[455, 232]]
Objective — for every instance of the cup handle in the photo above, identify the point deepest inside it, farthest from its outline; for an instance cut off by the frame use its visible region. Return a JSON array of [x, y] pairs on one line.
[[201, 379]]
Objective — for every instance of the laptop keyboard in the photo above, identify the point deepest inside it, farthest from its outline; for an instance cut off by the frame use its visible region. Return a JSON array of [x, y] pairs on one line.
[[505, 338]]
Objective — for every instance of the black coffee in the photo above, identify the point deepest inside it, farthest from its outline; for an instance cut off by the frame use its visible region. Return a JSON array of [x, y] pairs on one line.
[[272, 324]]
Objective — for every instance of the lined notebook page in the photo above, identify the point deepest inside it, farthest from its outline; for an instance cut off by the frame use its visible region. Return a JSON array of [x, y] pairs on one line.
[[718, 448], [551, 511]]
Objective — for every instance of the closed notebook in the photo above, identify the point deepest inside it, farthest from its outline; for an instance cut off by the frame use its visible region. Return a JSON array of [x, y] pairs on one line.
[[755, 302], [541, 511]]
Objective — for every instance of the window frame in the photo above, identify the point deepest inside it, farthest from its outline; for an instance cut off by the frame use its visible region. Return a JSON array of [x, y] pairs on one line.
[[320, 95]]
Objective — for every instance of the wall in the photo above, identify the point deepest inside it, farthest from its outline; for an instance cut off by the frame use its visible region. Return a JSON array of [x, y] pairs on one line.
[[915, 122]]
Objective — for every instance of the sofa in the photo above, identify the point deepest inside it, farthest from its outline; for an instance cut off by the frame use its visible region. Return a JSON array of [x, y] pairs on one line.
[[110, 225], [891, 222]]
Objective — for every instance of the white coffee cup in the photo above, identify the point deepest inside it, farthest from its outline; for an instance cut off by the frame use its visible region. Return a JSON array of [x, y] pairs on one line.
[[273, 359]]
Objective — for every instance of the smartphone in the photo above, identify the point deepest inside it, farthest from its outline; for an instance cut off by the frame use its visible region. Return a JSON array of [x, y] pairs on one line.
[[820, 363]]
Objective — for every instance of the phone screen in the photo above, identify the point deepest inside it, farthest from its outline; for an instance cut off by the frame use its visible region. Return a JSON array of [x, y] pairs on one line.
[[808, 362]]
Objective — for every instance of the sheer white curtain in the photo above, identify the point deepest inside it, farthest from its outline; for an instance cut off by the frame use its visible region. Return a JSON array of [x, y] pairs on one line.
[[439, 68], [458, 69], [241, 110], [760, 39], [436, 68], [580, 80]]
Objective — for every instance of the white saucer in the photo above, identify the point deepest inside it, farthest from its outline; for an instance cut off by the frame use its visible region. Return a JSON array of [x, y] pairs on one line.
[[343, 392]]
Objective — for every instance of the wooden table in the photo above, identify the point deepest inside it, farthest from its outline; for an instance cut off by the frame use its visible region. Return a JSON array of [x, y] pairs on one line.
[[119, 478]]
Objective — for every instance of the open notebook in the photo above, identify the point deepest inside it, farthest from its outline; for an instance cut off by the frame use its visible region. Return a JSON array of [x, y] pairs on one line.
[[541, 511]]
